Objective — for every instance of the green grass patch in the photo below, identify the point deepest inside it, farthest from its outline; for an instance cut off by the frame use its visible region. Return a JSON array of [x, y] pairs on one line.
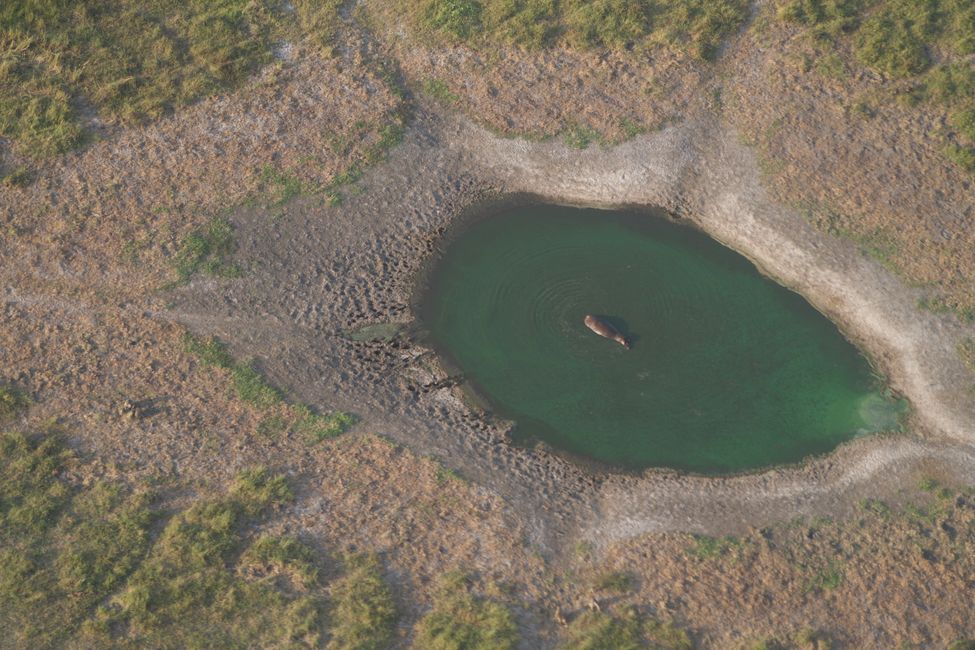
[[63, 549], [20, 176], [964, 121], [961, 155], [279, 186], [628, 630], [617, 581], [695, 26], [192, 589], [133, 60], [440, 91], [363, 614], [209, 249], [317, 427], [924, 42], [12, 401], [88, 566], [460, 620], [579, 136], [705, 547], [251, 387], [827, 578]]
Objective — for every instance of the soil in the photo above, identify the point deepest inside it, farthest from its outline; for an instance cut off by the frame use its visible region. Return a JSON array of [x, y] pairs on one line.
[[90, 323]]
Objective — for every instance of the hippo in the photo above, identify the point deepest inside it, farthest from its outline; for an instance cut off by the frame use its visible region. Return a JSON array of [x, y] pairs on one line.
[[601, 327]]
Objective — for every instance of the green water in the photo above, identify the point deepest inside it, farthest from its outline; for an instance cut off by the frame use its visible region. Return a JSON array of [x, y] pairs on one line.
[[728, 371]]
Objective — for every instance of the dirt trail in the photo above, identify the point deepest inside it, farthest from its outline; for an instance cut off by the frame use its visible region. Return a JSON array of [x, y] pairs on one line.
[[320, 271]]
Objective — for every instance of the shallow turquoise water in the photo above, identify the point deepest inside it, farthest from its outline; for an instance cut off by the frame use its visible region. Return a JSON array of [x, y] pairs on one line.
[[728, 370]]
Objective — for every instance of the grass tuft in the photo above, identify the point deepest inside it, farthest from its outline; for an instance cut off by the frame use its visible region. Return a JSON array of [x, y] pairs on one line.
[[133, 61], [694, 26], [12, 401], [628, 630], [363, 612], [207, 249], [460, 620]]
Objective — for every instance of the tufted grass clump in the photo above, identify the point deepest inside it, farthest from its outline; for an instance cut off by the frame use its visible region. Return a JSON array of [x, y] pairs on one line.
[[63, 549], [208, 249], [12, 401], [461, 620], [363, 614], [250, 386], [628, 630], [695, 26], [134, 60]]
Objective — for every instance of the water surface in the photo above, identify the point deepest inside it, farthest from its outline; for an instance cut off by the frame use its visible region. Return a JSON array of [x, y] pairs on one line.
[[728, 370]]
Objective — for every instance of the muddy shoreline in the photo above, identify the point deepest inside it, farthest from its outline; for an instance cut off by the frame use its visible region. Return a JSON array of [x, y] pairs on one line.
[[317, 272]]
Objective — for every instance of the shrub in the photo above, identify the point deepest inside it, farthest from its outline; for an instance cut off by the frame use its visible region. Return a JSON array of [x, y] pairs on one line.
[[460, 620], [363, 612]]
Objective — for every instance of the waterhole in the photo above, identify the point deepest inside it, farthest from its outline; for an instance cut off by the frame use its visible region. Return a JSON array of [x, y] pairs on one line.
[[726, 371]]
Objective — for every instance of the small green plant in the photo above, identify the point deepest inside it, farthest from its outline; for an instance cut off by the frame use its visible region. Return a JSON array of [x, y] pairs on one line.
[[706, 547], [962, 644], [282, 556], [12, 401], [20, 176], [461, 620], [579, 136], [437, 89], [363, 612], [827, 578], [251, 387], [279, 186], [631, 129], [618, 581], [628, 630], [445, 475], [810, 639], [207, 249], [962, 156], [876, 507], [317, 427], [966, 350], [964, 121], [458, 18]]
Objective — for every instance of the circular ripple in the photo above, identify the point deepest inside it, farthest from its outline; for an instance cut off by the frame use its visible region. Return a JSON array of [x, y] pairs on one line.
[[728, 371]]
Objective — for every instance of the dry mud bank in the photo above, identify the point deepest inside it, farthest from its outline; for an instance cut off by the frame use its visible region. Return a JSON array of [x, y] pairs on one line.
[[317, 273]]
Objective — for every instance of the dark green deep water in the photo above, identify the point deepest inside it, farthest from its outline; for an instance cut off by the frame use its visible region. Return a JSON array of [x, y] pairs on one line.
[[729, 371]]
